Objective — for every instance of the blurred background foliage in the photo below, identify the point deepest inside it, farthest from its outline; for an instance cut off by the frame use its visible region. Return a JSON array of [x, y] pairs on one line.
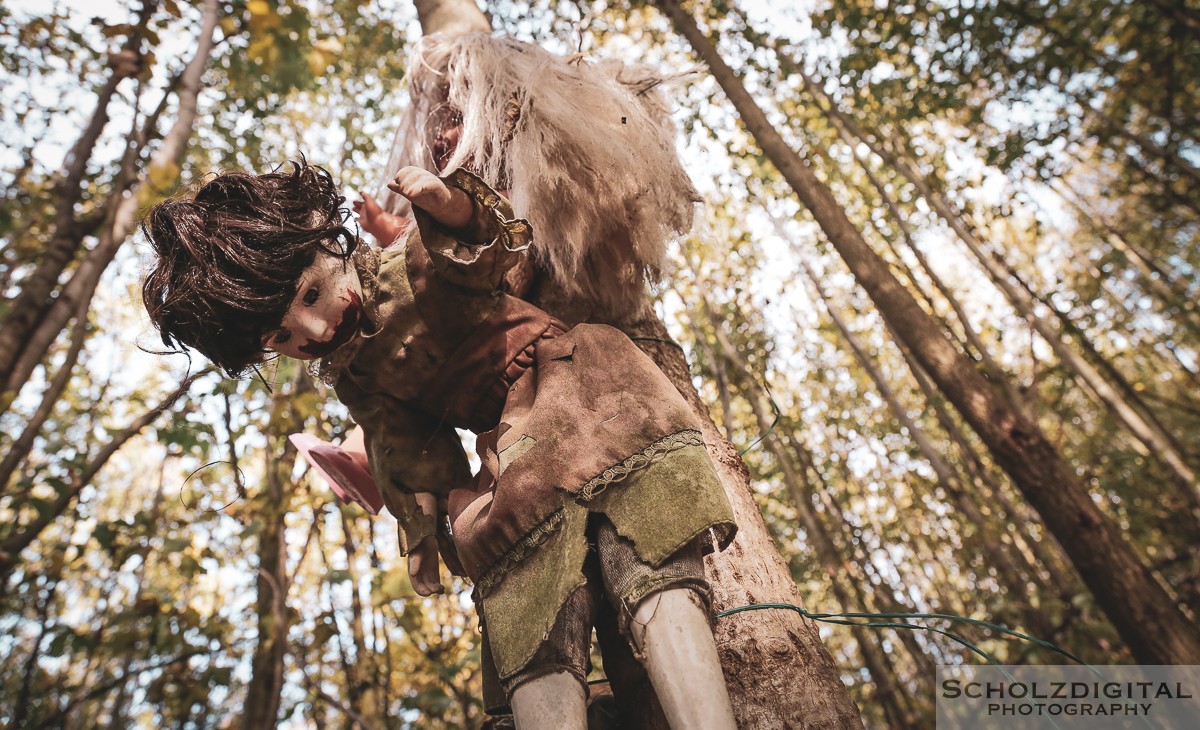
[[1060, 135]]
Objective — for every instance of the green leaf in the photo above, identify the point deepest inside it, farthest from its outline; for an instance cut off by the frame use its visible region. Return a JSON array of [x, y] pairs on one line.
[[189, 566], [176, 544], [45, 507], [105, 535]]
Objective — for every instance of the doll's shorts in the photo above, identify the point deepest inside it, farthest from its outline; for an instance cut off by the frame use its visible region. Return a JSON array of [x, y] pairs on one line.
[[615, 574]]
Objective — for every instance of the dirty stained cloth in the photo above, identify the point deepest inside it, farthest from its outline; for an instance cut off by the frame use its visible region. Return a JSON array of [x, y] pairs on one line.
[[570, 421]]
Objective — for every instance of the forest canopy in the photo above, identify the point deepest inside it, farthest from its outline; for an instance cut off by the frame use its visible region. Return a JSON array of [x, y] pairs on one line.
[[941, 296]]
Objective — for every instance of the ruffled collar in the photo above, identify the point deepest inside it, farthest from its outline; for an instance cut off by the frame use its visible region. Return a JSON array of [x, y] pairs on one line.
[[328, 369]]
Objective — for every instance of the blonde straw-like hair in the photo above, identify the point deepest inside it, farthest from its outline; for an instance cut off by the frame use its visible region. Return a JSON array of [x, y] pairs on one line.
[[586, 149]]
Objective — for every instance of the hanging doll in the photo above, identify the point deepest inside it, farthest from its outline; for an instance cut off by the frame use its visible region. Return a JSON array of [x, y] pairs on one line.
[[595, 484]]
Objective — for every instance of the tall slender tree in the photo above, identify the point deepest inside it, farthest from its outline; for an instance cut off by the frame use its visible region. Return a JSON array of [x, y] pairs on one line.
[[1138, 606], [778, 671]]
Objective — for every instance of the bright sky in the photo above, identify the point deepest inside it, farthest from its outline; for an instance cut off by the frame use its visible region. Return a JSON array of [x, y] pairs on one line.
[[110, 10]]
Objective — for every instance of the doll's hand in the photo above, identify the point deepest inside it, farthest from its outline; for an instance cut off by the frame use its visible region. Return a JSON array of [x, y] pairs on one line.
[[384, 226], [449, 206], [423, 567]]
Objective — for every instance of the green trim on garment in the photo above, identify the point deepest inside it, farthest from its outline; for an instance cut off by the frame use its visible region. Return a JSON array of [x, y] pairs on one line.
[[516, 233], [593, 487], [518, 552], [642, 459]]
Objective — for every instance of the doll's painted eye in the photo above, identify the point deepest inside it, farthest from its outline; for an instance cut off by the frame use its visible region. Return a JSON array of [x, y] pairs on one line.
[[312, 296], [280, 337]]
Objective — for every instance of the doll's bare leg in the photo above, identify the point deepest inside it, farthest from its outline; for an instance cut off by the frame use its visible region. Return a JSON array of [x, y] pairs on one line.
[[550, 702], [681, 659]]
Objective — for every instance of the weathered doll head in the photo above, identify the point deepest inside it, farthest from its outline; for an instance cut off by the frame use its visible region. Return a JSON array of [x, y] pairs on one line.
[[237, 257], [325, 313]]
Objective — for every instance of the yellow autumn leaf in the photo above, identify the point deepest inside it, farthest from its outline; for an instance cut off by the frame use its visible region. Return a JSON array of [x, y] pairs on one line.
[[330, 45], [318, 62], [263, 17], [260, 49]]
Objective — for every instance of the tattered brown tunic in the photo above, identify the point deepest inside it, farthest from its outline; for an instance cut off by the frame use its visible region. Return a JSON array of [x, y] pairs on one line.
[[570, 421]]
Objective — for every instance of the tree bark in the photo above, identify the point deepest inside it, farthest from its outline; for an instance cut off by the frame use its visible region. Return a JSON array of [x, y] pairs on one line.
[[1139, 607], [991, 367], [779, 674], [121, 215], [1046, 553], [800, 491], [264, 691], [37, 289], [1157, 442], [947, 476]]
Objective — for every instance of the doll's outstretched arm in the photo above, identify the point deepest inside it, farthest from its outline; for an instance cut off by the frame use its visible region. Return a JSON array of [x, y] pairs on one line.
[[468, 229], [447, 205], [386, 227]]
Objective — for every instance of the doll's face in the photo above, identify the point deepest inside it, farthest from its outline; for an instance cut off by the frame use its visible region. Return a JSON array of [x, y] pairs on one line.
[[449, 132], [325, 313]]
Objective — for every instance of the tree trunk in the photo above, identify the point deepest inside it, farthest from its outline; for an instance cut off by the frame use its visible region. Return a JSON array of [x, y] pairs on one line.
[[721, 378], [19, 449], [779, 674], [994, 552], [68, 235], [121, 214], [24, 695], [800, 491], [1173, 293], [1156, 441], [885, 594], [990, 366], [1044, 553], [119, 716], [264, 691], [1145, 616], [23, 536]]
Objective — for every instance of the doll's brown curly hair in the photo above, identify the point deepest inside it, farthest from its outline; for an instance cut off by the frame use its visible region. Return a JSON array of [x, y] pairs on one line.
[[229, 257]]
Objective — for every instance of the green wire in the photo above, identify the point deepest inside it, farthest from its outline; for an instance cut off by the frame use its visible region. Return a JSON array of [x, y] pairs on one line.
[[830, 618], [844, 619], [764, 434], [895, 621]]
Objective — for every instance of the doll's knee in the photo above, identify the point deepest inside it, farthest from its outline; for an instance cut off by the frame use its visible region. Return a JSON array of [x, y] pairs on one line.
[[635, 587]]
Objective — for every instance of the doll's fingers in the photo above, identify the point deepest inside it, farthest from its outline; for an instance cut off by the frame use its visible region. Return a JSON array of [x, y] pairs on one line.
[[407, 177], [430, 190], [411, 171], [416, 182], [366, 206]]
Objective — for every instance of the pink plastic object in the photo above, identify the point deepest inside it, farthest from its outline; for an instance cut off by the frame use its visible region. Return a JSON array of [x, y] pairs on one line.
[[348, 478]]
